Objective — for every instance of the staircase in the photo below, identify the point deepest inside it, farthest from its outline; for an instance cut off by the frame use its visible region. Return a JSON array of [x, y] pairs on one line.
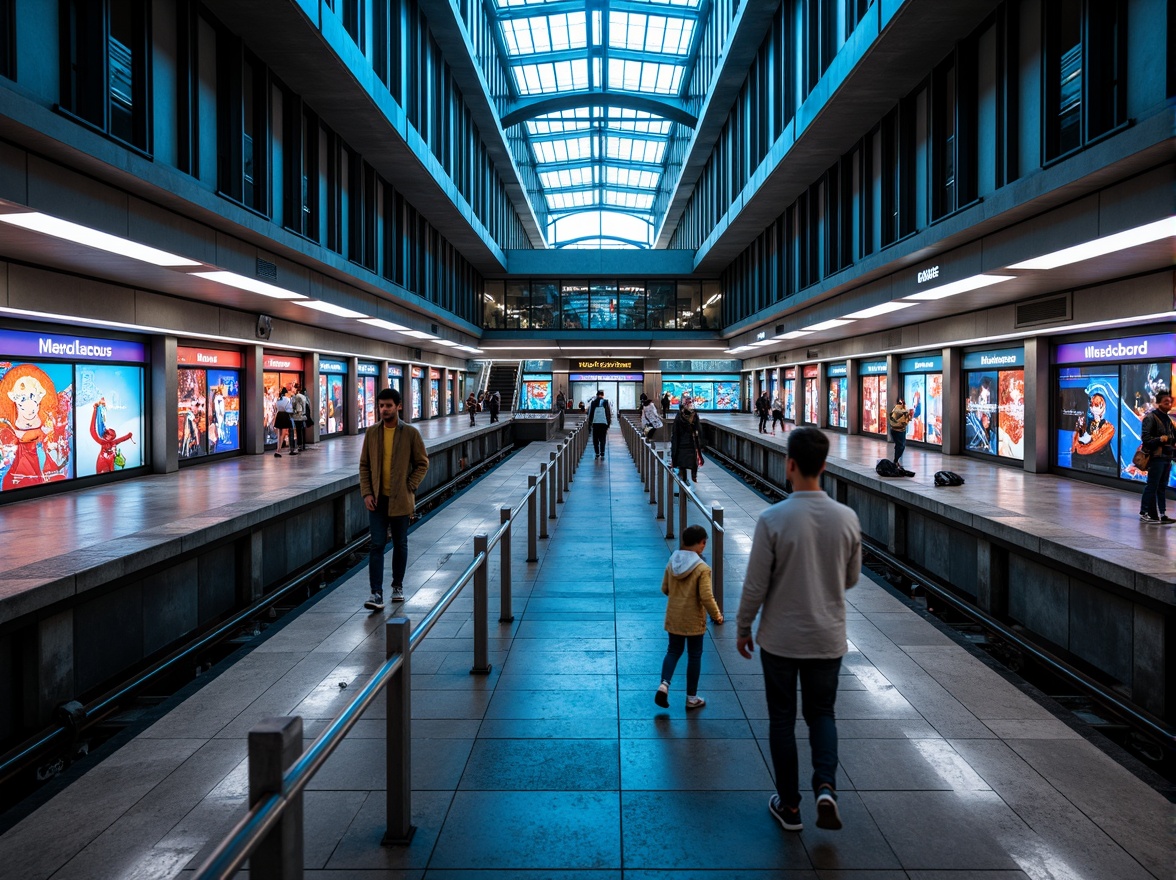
[[504, 379]]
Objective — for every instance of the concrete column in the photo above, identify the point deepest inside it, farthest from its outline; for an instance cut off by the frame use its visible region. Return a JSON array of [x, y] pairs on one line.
[[953, 402], [310, 380], [164, 454], [382, 382], [1037, 405], [822, 398], [853, 404], [992, 577], [252, 397], [54, 667], [351, 396]]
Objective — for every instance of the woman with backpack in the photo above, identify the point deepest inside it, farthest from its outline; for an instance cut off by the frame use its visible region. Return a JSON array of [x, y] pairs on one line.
[[900, 417], [650, 421]]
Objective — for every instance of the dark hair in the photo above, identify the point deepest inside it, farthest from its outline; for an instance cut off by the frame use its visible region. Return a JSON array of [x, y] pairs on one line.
[[809, 448], [1161, 393], [389, 394], [692, 535]]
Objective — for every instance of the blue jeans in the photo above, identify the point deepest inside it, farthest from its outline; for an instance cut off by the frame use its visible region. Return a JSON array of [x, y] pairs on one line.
[[818, 688], [1155, 493], [379, 524], [693, 646], [899, 438]]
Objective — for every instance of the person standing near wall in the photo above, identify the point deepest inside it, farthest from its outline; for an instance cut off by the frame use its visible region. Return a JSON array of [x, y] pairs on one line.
[[899, 418]]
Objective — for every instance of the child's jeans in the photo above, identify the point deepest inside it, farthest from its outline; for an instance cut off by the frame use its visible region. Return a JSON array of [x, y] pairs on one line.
[[693, 646]]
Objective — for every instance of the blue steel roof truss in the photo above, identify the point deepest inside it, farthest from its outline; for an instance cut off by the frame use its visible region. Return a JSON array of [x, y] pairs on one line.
[[598, 85]]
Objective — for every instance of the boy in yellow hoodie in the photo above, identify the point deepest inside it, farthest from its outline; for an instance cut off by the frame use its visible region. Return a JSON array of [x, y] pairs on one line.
[[687, 581]]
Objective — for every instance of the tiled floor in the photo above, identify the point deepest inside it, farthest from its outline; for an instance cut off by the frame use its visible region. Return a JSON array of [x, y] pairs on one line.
[[558, 764]]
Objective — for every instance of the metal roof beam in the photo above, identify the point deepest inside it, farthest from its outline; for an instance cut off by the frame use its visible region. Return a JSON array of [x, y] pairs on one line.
[[669, 108]]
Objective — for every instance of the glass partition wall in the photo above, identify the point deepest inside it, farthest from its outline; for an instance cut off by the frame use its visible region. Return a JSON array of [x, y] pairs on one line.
[[601, 304]]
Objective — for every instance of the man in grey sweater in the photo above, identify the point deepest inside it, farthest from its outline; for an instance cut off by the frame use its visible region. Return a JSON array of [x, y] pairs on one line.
[[806, 553]]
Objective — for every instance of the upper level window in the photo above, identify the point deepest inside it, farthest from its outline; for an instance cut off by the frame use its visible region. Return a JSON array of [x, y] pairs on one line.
[[104, 60], [1085, 71], [7, 31]]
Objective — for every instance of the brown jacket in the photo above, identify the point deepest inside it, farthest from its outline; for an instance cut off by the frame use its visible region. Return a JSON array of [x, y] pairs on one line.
[[410, 463], [690, 595]]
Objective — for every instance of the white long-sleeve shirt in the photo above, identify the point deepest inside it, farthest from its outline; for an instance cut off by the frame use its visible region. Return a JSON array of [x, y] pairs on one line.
[[807, 551]]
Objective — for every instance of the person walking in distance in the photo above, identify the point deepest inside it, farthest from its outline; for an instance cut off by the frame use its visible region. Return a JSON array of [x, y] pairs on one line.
[[665, 405], [650, 422], [392, 464], [471, 405], [762, 408], [600, 418], [687, 583], [805, 554], [900, 417], [686, 442], [494, 404], [284, 422]]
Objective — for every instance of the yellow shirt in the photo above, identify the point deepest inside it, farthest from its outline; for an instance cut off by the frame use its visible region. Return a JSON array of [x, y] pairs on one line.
[[386, 464]]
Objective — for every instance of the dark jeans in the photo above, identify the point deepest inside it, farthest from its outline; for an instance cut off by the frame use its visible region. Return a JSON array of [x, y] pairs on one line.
[[693, 646], [599, 432], [818, 688], [763, 426], [899, 438], [379, 524], [1155, 493]]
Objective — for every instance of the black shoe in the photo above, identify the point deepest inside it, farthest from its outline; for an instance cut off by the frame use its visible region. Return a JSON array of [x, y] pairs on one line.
[[662, 695], [1149, 520], [295, 452], [1166, 520], [375, 602], [277, 455], [789, 819], [827, 815]]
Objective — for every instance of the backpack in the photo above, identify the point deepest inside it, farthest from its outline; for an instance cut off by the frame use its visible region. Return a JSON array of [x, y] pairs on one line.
[[886, 468], [948, 478]]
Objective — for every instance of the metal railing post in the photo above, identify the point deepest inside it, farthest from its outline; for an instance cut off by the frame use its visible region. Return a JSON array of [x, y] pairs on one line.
[[481, 607], [683, 493], [654, 476], [542, 501], [670, 501], [552, 480], [398, 733], [275, 744], [717, 553], [559, 475], [532, 516], [661, 487], [505, 613], [568, 465]]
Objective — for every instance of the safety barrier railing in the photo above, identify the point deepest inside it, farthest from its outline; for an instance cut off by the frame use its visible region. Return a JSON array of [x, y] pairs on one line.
[[270, 835], [663, 484]]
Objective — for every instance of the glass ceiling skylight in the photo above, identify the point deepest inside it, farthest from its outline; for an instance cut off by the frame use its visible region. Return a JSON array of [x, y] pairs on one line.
[[619, 69]]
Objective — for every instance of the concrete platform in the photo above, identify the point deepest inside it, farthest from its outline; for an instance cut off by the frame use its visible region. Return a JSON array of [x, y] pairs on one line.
[[558, 764]]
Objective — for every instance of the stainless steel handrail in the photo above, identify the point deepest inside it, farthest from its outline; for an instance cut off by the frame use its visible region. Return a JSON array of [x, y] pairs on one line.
[[651, 465], [263, 818]]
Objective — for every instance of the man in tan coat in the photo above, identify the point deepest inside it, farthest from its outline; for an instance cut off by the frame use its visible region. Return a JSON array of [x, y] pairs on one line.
[[392, 465]]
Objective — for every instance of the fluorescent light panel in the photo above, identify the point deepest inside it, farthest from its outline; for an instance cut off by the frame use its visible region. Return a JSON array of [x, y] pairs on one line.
[[329, 308], [762, 342], [827, 325], [447, 343], [416, 334], [883, 309], [1108, 244], [232, 279], [63, 229], [794, 334], [382, 324], [961, 286]]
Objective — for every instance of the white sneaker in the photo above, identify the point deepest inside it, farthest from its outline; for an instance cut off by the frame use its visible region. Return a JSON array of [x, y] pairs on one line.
[[397, 594], [375, 602]]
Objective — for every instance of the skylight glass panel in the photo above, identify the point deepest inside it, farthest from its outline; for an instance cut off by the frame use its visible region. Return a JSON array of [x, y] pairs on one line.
[[545, 33], [566, 178], [550, 77], [640, 201], [630, 177], [562, 201], [563, 150], [656, 34], [649, 77], [579, 119], [630, 149], [638, 121]]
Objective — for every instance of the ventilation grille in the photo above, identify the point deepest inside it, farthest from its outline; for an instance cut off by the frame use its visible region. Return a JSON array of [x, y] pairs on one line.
[[1050, 310], [266, 269]]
